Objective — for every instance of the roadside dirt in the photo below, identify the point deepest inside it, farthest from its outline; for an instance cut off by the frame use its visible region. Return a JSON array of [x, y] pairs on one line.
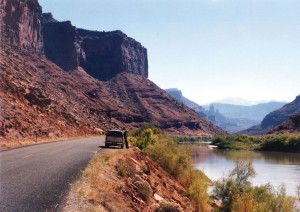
[[125, 180]]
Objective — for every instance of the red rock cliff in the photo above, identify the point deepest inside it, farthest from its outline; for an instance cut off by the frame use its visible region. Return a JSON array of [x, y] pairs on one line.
[[102, 54], [21, 25]]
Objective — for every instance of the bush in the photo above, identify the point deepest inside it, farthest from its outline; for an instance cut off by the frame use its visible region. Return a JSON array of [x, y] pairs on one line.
[[197, 192], [125, 169], [143, 188], [143, 138], [169, 155], [175, 159], [165, 206], [237, 193], [283, 143]]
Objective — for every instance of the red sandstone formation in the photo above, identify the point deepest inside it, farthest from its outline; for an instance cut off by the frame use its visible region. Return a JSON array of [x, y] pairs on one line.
[[38, 98], [21, 24], [103, 55]]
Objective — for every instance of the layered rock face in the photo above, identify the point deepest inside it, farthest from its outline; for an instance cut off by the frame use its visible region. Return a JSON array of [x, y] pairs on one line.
[[105, 54], [21, 24], [60, 44], [102, 54]]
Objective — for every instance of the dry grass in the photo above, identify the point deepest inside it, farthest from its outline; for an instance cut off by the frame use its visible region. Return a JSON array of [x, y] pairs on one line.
[[98, 189], [124, 180]]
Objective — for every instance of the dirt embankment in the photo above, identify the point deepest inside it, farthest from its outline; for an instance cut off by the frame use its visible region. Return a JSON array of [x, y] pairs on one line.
[[126, 180]]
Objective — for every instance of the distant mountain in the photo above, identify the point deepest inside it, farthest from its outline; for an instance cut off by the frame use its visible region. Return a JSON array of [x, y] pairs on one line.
[[229, 117], [253, 112], [275, 118], [237, 101]]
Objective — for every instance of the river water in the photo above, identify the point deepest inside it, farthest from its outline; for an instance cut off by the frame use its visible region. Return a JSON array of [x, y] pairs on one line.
[[274, 167]]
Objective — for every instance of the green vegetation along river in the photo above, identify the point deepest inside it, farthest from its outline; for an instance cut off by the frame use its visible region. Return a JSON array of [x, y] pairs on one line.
[[273, 167]]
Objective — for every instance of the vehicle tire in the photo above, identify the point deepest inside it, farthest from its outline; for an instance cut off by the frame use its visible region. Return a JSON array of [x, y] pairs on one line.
[[122, 146], [106, 145]]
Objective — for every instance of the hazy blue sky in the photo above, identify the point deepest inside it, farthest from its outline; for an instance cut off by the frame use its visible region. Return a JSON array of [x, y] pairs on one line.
[[210, 49]]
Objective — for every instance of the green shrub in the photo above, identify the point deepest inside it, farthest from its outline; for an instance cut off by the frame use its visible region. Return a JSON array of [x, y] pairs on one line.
[[175, 159], [169, 155], [283, 143], [143, 138], [237, 193], [197, 192]]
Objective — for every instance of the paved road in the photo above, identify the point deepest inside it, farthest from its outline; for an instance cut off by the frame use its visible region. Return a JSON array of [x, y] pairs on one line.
[[35, 178]]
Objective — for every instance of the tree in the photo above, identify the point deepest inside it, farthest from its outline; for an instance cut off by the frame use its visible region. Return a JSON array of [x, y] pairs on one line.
[[235, 186]]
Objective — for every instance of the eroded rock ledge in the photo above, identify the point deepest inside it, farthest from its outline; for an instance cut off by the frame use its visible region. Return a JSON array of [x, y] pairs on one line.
[[102, 54]]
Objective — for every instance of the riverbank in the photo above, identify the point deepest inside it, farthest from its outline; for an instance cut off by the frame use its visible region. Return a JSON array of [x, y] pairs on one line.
[[217, 163], [159, 176], [279, 143]]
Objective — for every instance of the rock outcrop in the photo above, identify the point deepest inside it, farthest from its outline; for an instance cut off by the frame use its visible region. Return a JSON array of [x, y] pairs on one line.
[[60, 44], [102, 54], [292, 125], [21, 24], [279, 116]]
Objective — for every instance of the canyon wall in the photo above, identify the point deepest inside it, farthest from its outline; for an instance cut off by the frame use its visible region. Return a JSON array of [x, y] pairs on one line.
[[102, 54], [20, 22]]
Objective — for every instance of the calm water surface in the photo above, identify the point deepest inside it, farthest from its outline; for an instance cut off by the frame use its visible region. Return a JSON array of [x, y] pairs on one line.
[[274, 167]]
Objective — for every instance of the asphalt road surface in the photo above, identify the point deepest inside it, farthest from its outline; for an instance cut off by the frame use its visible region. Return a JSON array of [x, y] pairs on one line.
[[36, 178]]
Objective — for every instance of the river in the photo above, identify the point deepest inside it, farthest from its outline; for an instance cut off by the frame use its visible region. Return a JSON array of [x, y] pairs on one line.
[[273, 167]]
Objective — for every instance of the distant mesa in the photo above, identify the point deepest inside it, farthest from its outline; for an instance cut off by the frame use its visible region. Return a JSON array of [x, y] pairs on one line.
[[102, 54], [177, 94]]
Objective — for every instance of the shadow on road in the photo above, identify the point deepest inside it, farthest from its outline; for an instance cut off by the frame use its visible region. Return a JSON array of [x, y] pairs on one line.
[[111, 147]]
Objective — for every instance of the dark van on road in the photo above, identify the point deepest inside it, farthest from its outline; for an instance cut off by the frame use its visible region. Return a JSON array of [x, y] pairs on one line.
[[115, 138]]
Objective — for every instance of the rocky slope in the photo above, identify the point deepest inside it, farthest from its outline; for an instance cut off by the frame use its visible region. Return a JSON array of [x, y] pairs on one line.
[[275, 118], [292, 125], [102, 54], [142, 186], [38, 98]]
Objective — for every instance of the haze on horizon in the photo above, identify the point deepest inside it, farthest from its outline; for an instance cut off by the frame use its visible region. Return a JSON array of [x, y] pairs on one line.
[[209, 49]]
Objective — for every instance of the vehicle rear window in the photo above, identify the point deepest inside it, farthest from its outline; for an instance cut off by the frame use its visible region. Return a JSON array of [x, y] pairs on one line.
[[115, 133]]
